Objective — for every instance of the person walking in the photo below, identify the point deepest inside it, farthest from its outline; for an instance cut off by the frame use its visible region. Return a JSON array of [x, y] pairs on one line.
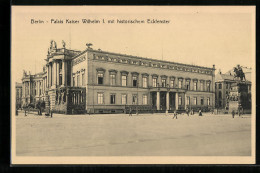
[[175, 114], [200, 113], [187, 111], [233, 113], [130, 112]]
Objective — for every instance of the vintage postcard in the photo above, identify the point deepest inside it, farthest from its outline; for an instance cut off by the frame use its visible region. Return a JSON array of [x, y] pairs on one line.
[[133, 85]]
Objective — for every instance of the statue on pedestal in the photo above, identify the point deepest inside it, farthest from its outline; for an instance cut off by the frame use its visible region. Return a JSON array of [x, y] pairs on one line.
[[239, 73]]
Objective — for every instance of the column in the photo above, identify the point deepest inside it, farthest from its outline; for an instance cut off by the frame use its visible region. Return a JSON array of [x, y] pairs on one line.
[[167, 101], [177, 100], [158, 100], [54, 73], [47, 73], [185, 101], [57, 73], [63, 73], [29, 88]]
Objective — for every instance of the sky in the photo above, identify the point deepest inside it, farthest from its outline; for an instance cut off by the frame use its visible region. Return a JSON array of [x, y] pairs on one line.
[[224, 36]]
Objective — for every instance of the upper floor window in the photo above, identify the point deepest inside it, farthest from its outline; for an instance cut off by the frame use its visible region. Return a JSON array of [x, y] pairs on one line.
[[83, 79], [100, 78], [154, 82], [220, 86], [78, 81], [208, 86], [172, 84], [124, 81], [112, 79], [201, 86], [145, 82], [163, 82], [195, 86], [188, 85], [180, 83], [226, 86], [73, 80], [135, 81]]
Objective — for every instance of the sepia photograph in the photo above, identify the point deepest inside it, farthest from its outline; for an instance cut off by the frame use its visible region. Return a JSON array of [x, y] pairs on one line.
[[133, 85]]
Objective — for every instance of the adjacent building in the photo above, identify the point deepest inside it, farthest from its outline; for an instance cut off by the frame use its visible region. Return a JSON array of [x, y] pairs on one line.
[[18, 95], [96, 81], [229, 89]]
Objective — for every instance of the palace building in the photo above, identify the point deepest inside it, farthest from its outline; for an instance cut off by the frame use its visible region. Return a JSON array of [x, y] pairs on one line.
[[96, 81]]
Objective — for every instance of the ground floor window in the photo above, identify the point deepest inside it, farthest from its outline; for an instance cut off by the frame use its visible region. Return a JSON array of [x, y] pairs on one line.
[[112, 99], [195, 100], [202, 101], [180, 101], [188, 100], [145, 99], [124, 98], [100, 98], [134, 99]]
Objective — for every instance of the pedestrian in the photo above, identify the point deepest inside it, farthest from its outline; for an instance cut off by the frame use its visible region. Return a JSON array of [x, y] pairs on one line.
[[174, 114], [130, 112], [51, 113], [200, 113], [239, 112], [187, 111], [233, 113]]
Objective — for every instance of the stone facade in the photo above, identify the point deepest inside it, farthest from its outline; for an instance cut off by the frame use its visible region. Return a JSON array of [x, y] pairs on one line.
[[95, 81]]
